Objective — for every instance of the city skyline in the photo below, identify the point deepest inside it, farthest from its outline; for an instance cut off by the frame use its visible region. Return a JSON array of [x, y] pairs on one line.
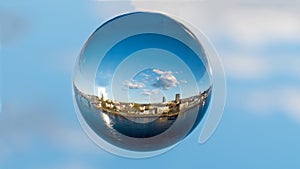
[[129, 73], [145, 110]]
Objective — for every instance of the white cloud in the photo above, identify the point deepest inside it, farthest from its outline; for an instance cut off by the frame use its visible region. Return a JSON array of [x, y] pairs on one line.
[[285, 99], [260, 67], [146, 93], [258, 25], [183, 81], [158, 71], [246, 22], [248, 25], [166, 80], [145, 75], [107, 9], [242, 30], [156, 91], [245, 67], [290, 102], [134, 85]]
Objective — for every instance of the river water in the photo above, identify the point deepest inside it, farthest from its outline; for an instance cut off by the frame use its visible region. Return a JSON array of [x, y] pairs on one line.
[[132, 135]]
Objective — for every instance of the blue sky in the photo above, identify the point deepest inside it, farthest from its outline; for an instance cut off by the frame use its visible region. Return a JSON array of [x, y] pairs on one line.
[[148, 86], [170, 67], [258, 43], [111, 58]]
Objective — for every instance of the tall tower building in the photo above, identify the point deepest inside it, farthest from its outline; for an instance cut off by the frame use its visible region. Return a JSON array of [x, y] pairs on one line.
[[164, 99], [177, 98]]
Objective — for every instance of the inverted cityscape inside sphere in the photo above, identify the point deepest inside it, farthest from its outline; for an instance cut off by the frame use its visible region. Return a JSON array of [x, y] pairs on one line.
[[142, 82]]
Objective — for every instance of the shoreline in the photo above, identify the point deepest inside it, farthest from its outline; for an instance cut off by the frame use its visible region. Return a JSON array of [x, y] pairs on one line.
[[125, 114]]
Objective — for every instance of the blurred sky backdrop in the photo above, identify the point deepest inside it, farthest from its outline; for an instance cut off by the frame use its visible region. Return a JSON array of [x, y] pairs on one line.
[[258, 42]]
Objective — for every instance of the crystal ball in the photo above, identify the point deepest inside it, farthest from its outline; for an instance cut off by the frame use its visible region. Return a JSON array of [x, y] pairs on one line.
[[142, 83]]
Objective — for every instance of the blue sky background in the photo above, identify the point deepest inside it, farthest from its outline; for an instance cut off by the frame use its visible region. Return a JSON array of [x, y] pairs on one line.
[[258, 42], [128, 57], [184, 67]]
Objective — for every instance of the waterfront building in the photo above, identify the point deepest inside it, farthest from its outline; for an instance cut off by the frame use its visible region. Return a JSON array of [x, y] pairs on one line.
[[177, 98]]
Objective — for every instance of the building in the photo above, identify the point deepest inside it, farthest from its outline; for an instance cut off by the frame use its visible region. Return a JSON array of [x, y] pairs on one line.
[[177, 98], [164, 99]]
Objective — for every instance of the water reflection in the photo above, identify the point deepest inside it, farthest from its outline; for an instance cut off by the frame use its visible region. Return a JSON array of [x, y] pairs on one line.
[[124, 127], [141, 87], [106, 119]]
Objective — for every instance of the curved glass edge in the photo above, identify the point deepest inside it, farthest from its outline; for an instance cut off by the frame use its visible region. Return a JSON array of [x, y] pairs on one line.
[[106, 145], [213, 115], [216, 108], [109, 147]]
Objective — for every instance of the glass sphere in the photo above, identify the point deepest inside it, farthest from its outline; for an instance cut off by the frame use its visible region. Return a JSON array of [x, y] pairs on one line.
[[142, 83]]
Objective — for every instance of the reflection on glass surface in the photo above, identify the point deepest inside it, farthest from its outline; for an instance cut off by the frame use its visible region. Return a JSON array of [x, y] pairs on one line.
[[142, 82]]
